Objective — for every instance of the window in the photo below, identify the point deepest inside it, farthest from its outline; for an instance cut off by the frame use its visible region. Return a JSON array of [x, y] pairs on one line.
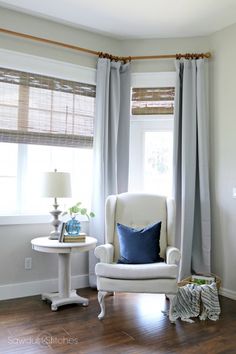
[[46, 123], [151, 133]]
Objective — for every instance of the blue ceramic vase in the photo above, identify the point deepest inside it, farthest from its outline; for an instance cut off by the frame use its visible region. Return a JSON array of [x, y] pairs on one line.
[[73, 227]]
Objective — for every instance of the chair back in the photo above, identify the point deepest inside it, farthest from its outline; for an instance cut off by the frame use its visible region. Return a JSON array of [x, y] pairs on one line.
[[136, 210]]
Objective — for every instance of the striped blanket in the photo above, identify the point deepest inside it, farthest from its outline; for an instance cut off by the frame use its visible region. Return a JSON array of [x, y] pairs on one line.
[[196, 300]]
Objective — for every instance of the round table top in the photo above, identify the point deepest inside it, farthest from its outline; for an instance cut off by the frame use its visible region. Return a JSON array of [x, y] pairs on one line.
[[44, 244]]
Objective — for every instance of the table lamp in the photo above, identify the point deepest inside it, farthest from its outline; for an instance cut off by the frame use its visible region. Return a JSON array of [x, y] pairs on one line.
[[56, 185]]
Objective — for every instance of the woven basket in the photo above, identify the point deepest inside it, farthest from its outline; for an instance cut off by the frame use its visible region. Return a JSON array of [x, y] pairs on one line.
[[189, 281]]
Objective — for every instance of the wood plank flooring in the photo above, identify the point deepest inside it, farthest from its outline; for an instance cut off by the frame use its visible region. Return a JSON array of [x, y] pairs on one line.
[[134, 324]]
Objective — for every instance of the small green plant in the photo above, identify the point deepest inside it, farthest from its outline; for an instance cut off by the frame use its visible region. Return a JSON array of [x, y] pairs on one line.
[[199, 281], [78, 209]]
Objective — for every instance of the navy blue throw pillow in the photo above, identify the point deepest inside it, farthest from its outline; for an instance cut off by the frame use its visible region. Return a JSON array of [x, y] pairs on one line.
[[139, 246]]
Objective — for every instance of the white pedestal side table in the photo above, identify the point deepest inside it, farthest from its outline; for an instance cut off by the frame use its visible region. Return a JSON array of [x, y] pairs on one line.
[[65, 295]]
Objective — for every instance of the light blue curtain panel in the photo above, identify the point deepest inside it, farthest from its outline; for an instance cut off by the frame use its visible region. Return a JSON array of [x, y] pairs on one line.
[[191, 167], [111, 143]]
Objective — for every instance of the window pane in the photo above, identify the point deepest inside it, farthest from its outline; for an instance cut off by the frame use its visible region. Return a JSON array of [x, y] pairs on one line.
[[39, 97], [8, 106], [85, 127], [43, 159], [8, 175], [8, 195], [39, 120], [8, 94], [58, 112], [62, 102], [8, 159], [85, 105], [158, 162], [37, 160], [9, 117]]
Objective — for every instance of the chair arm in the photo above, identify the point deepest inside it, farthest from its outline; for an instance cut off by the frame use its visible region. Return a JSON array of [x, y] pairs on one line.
[[105, 253], [173, 255]]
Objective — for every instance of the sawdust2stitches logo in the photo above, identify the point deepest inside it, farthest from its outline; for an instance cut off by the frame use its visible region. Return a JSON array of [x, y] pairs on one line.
[[43, 339]]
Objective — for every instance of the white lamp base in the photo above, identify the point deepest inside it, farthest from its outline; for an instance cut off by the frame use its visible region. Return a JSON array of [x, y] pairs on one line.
[[54, 235]]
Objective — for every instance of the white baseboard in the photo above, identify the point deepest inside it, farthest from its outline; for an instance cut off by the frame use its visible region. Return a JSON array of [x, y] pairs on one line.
[[12, 291], [16, 290], [228, 293]]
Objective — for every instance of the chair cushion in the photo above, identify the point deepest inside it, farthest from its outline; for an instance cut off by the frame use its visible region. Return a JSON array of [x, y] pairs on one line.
[[136, 271], [139, 246]]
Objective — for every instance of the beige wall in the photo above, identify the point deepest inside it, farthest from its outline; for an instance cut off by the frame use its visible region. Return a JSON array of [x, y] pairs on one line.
[[51, 30], [223, 154], [15, 239], [15, 246], [161, 46]]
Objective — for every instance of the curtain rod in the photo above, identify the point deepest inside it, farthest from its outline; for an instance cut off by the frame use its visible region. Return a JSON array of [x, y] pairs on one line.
[[105, 55]]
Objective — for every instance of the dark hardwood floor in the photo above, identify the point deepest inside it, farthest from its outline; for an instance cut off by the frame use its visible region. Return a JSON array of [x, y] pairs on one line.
[[134, 324]]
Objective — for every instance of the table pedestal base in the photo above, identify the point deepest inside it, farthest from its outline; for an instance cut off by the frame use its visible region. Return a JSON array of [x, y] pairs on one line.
[[64, 295], [58, 300]]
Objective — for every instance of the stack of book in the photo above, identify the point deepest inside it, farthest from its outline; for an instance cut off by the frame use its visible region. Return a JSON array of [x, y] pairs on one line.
[[64, 237], [76, 238]]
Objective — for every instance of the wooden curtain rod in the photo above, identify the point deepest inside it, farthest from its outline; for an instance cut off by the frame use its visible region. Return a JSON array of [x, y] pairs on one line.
[[105, 55]]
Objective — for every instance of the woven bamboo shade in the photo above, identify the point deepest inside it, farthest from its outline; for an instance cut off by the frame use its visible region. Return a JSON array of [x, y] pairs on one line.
[[37, 109], [153, 100]]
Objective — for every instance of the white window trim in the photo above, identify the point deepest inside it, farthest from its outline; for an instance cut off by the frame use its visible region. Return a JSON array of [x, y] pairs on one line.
[[150, 79], [49, 67], [31, 219], [25, 219]]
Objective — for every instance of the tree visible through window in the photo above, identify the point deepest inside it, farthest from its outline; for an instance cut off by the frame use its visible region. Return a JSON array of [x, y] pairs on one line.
[[158, 162]]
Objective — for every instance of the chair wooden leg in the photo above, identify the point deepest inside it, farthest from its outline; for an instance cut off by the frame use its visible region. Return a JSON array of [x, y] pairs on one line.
[[171, 318], [101, 296]]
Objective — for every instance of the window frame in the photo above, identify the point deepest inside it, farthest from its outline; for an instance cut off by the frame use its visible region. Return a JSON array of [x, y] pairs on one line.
[[139, 124], [48, 67]]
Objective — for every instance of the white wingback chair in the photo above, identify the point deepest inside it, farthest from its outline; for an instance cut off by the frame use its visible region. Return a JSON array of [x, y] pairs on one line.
[[137, 210]]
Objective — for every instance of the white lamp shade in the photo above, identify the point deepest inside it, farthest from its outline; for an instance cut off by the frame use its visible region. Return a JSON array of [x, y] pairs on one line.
[[56, 185]]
